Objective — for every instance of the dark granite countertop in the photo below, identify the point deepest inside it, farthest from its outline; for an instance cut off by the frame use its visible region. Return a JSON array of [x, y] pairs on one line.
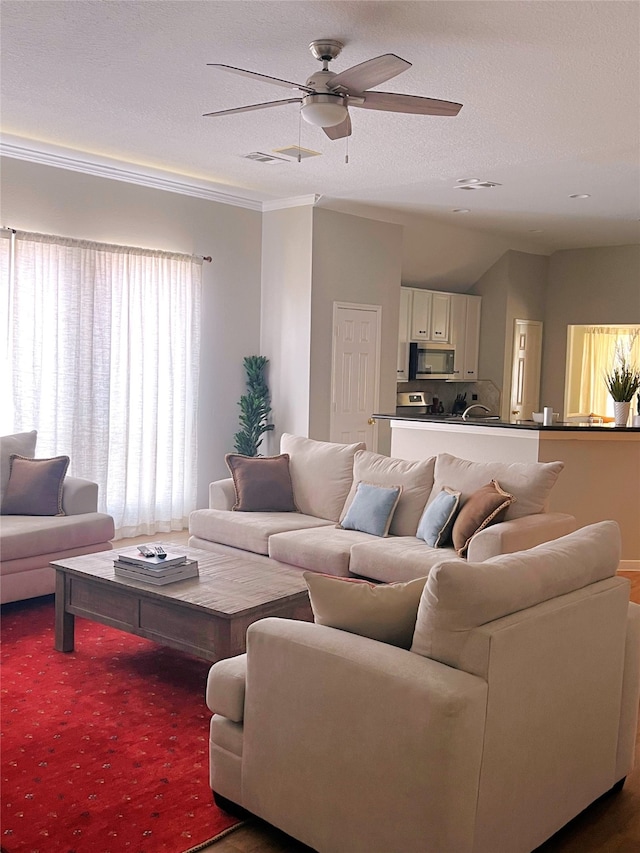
[[488, 422]]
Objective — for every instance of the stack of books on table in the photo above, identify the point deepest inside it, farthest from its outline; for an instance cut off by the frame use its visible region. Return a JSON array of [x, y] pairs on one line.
[[155, 570]]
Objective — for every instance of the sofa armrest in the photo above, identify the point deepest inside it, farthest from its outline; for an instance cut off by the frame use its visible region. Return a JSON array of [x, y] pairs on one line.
[[518, 534], [328, 713], [79, 496], [222, 494]]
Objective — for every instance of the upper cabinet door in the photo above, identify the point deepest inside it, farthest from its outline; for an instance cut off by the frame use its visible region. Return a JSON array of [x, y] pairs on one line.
[[421, 315], [440, 308], [404, 329], [458, 331], [472, 339]]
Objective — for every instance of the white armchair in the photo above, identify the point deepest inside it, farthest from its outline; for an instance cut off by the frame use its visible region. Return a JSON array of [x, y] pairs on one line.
[[514, 710]]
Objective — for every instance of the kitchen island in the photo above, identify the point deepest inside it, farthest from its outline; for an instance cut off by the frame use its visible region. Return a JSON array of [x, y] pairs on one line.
[[600, 480]]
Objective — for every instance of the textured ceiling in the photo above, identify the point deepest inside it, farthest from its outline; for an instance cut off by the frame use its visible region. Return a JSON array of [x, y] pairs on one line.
[[551, 95]]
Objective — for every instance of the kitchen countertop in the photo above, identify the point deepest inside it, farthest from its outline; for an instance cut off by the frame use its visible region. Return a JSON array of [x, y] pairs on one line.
[[488, 422]]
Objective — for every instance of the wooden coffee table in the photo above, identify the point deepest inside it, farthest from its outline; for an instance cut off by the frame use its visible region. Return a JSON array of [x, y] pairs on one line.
[[207, 616]]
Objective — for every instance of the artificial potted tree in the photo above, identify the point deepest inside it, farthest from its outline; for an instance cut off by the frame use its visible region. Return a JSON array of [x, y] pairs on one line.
[[255, 407], [622, 383]]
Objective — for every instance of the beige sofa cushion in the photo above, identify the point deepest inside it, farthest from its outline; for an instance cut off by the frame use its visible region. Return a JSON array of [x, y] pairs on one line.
[[325, 549], [249, 531], [459, 596], [416, 479], [398, 558], [529, 482], [321, 473], [22, 443], [28, 536], [383, 612]]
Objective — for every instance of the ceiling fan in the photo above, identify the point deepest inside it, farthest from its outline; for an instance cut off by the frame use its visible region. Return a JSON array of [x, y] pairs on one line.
[[327, 96]]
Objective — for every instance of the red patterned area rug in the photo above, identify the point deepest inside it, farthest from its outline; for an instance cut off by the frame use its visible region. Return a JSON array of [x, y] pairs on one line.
[[104, 749]]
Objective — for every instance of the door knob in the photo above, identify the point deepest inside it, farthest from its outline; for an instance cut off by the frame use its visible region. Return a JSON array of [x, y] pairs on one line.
[[371, 421]]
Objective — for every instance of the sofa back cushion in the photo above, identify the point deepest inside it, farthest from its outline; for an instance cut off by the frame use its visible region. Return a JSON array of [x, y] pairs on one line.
[[416, 479], [22, 443], [321, 473], [459, 597], [528, 482]]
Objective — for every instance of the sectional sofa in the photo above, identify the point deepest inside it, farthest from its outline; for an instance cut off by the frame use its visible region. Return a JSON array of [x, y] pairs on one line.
[[28, 542], [325, 478]]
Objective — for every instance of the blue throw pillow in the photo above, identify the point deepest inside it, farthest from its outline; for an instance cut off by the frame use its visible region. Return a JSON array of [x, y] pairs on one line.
[[437, 519], [372, 509]]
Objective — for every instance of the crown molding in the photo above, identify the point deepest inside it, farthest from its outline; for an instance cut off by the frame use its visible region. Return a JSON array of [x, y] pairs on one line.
[[296, 201], [105, 167]]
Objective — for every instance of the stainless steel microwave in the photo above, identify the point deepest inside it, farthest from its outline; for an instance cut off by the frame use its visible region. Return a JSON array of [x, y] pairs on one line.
[[431, 361]]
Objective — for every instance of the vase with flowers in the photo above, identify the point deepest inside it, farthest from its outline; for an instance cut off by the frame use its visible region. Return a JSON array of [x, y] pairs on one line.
[[622, 383]]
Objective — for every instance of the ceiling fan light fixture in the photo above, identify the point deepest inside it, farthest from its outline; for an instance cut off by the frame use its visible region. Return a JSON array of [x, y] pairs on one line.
[[323, 110]]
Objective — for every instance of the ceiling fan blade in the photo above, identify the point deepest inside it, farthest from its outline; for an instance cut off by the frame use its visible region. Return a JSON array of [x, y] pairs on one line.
[[287, 84], [254, 107], [413, 104], [339, 131], [370, 73]]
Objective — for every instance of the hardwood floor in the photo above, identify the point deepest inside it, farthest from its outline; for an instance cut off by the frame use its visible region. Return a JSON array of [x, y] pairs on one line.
[[610, 825]]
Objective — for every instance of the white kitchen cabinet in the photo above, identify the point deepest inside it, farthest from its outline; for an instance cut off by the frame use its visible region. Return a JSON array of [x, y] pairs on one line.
[[440, 306], [421, 315], [465, 335], [404, 334]]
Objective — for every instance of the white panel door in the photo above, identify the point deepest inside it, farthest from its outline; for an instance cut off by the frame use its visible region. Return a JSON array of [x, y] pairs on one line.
[[525, 369], [355, 373]]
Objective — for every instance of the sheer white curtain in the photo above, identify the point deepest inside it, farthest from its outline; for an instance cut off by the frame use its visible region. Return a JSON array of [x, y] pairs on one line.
[[105, 351], [601, 347]]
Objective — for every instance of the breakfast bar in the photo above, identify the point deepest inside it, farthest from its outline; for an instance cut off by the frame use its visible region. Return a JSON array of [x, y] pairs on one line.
[[600, 480]]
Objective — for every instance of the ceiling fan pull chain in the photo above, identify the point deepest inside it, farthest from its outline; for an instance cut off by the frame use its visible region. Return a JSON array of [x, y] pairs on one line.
[[346, 156], [299, 135]]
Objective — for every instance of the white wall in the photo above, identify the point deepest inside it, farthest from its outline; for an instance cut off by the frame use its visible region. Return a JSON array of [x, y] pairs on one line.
[[355, 260], [71, 204], [287, 237]]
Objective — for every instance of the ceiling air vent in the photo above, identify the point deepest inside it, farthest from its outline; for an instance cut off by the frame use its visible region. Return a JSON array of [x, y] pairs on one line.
[[264, 158], [295, 152]]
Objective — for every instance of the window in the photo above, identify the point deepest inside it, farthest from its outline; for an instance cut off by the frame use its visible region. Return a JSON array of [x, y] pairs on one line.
[[592, 352], [103, 350]]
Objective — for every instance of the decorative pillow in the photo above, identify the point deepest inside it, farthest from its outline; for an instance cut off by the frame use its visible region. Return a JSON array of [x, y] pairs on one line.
[[35, 486], [459, 597], [529, 482], [22, 444], [385, 612], [321, 473], [481, 509], [437, 519], [372, 509], [262, 483], [416, 479]]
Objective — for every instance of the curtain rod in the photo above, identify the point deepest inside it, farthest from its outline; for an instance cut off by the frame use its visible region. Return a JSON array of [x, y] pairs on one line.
[[207, 258]]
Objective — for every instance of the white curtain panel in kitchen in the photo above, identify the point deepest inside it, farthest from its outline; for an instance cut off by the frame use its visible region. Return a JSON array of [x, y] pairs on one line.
[[602, 348], [104, 344]]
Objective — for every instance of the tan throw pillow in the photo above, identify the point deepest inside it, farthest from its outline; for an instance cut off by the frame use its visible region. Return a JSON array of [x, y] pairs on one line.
[[484, 507], [384, 612], [262, 483], [35, 486]]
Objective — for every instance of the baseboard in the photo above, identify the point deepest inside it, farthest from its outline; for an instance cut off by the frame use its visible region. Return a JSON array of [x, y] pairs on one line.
[[629, 566]]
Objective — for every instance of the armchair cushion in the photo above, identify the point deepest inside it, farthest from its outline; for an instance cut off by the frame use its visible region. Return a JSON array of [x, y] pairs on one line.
[[383, 612], [459, 597], [529, 482], [35, 486], [22, 443]]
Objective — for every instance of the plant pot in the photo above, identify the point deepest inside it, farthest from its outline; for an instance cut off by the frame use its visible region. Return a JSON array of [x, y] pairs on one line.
[[621, 413]]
